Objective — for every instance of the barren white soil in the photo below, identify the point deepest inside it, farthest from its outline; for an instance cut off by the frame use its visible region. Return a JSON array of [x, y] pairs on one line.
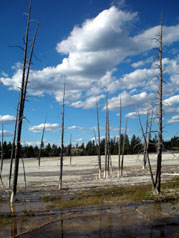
[[83, 172]]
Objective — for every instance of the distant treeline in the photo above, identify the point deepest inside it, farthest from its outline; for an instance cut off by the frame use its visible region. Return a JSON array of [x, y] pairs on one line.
[[133, 146]]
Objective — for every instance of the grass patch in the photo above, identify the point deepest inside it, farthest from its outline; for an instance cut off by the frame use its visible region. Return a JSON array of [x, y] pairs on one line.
[[6, 218], [172, 184], [9, 217], [28, 213], [117, 194]]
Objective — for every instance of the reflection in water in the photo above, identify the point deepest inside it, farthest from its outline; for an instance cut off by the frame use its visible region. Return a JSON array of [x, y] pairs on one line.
[[100, 224], [141, 220], [12, 207], [110, 224], [61, 225], [158, 208]]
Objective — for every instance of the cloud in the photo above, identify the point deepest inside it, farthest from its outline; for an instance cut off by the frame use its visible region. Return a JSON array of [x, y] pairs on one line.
[[135, 114], [137, 64], [6, 133], [145, 41], [48, 127], [172, 101], [80, 139], [3, 74], [98, 34], [7, 119], [96, 128], [31, 143], [174, 119], [141, 99], [74, 128], [91, 53], [89, 103]]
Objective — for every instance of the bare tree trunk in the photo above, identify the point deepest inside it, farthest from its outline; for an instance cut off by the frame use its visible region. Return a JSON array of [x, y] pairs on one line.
[[62, 138], [41, 143], [13, 147], [106, 149], [99, 141], [123, 148], [2, 155], [106, 171], [2, 152], [25, 77], [1, 180], [159, 149], [70, 149], [145, 142], [95, 139], [24, 173], [149, 136], [119, 140], [109, 148]]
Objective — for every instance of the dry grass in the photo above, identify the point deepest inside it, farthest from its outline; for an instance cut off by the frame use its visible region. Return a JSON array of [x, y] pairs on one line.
[[170, 193]]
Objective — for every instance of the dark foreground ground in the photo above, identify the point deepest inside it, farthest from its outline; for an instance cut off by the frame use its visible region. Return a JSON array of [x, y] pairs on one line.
[[89, 207], [127, 220], [112, 212]]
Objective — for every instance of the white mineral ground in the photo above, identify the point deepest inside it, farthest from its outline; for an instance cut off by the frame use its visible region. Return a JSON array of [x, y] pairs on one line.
[[83, 172]]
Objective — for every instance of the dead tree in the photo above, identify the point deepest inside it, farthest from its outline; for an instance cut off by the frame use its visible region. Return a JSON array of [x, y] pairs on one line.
[[99, 141], [1, 180], [2, 155], [109, 148], [2, 152], [123, 149], [41, 143], [147, 146], [119, 140], [106, 170], [160, 114], [62, 138], [23, 165], [145, 142], [13, 147], [25, 78], [70, 149]]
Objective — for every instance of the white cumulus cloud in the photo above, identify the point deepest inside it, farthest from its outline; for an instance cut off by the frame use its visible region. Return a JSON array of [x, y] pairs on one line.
[[7, 119], [174, 119], [91, 53], [48, 127], [6, 133]]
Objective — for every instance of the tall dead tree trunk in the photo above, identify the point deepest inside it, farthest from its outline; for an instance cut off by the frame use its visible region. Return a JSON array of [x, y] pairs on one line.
[[13, 147], [109, 148], [159, 149], [24, 83], [70, 149], [23, 165], [106, 170], [99, 141], [147, 146], [62, 138], [123, 148], [41, 143], [2, 152], [145, 142], [119, 140]]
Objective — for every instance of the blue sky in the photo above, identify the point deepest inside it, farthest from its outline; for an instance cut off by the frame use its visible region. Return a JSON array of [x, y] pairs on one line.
[[96, 46]]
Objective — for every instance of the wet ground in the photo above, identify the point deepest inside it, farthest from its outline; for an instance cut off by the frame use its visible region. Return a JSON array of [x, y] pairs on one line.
[[136, 220], [33, 217], [140, 219]]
